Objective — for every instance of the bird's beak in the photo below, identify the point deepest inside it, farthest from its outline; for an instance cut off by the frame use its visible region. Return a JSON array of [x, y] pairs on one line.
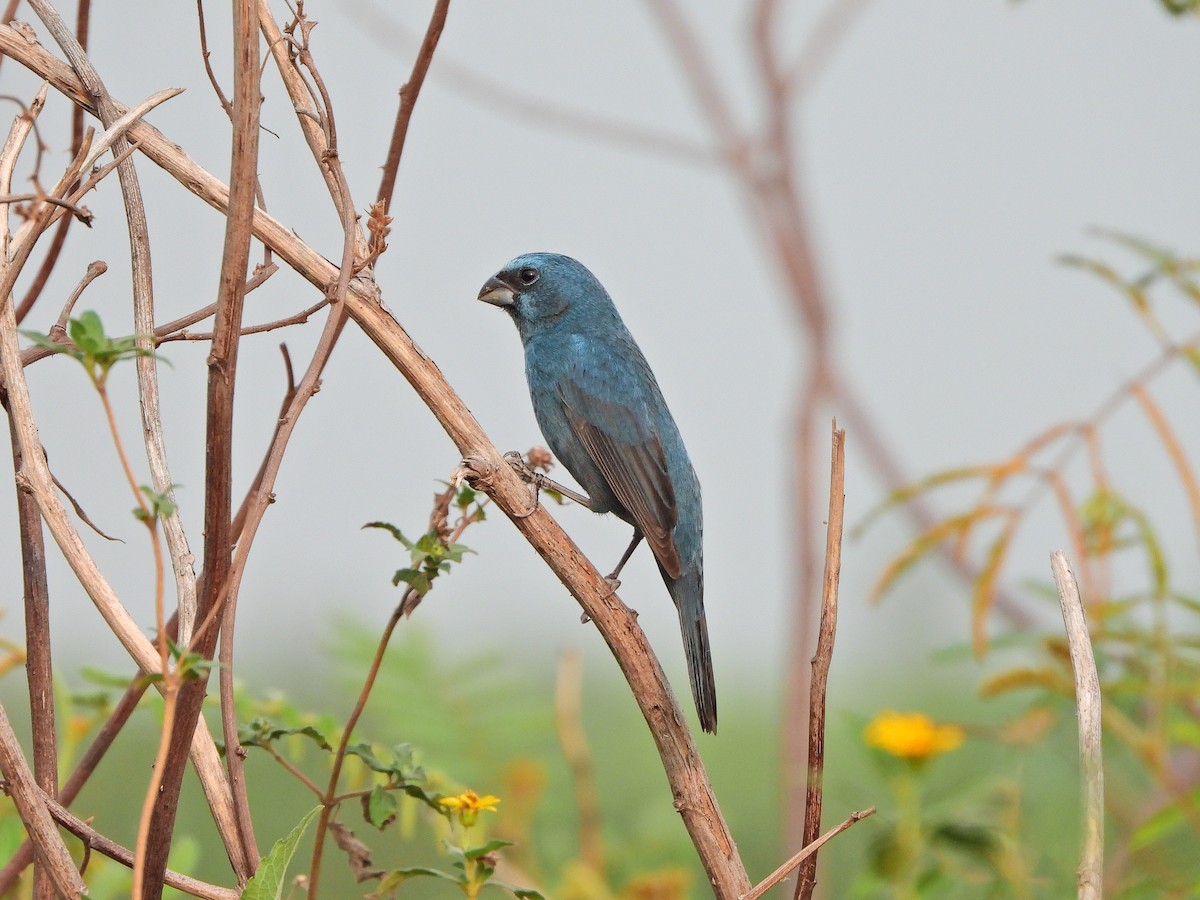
[[497, 293]]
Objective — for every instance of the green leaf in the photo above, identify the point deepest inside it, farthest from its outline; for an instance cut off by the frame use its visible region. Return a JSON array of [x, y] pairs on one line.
[[455, 551], [87, 332], [366, 753], [394, 878], [393, 530], [414, 578], [489, 847], [161, 505], [380, 807], [105, 679], [1157, 827], [525, 893], [268, 882], [47, 343], [262, 731]]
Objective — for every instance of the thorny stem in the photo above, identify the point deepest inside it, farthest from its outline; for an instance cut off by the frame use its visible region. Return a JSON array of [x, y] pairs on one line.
[[408, 101]]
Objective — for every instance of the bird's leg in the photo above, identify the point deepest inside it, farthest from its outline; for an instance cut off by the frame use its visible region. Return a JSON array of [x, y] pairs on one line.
[[613, 581], [540, 482], [611, 578]]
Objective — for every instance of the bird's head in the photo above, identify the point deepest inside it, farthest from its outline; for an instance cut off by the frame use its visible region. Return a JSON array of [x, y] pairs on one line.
[[540, 290]]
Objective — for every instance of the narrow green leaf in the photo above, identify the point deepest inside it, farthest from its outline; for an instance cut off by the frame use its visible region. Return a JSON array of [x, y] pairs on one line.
[[268, 882], [489, 847], [262, 731], [393, 531]]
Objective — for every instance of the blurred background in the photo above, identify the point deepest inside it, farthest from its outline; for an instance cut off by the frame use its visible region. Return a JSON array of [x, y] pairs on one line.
[[947, 155]]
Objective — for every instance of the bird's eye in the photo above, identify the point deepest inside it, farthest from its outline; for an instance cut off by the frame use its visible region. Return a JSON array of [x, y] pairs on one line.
[[528, 276]]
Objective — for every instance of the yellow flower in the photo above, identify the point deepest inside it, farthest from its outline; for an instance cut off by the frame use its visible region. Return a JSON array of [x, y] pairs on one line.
[[468, 805], [912, 736]]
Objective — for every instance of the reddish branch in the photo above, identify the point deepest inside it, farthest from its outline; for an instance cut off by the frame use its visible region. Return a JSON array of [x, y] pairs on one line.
[[83, 16], [408, 101], [218, 474], [806, 880], [38, 667]]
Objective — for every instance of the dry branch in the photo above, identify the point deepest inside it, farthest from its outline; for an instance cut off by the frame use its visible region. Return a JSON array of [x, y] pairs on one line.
[[38, 663], [782, 872], [806, 879], [1088, 705]]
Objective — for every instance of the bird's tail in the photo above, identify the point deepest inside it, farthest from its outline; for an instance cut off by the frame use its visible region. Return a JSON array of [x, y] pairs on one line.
[[688, 593]]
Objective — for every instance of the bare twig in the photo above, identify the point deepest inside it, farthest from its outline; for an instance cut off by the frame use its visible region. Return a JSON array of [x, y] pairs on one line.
[[83, 214], [822, 41], [218, 475], [83, 15], [408, 102], [38, 663], [806, 879], [94, 270], [31, 806], [568, 690], [39, 672], [782, 872], [1088, 706], [295, 319]]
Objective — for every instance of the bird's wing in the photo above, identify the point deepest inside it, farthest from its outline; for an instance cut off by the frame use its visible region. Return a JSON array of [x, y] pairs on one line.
[[632, 459]]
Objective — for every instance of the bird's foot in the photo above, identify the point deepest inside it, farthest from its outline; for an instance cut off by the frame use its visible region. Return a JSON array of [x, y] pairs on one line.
[[517, 463], [613, 583]]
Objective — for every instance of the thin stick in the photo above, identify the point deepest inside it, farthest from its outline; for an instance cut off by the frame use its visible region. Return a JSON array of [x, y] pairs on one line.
[[94, 271], [806, 880], [782, 872], [38, 662], [295, 319], [408, 101], [218, 473], [1088, 704], [83, 16]]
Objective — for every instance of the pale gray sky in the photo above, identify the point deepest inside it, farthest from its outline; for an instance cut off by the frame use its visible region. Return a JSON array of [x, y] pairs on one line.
[[951, 151]]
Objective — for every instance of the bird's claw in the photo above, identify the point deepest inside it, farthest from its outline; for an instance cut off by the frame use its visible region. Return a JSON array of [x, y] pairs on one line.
[[613, 583], [517, 463]]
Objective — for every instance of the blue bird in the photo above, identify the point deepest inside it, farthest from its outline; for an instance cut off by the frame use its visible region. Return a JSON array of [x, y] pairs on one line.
[[604, 417]]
